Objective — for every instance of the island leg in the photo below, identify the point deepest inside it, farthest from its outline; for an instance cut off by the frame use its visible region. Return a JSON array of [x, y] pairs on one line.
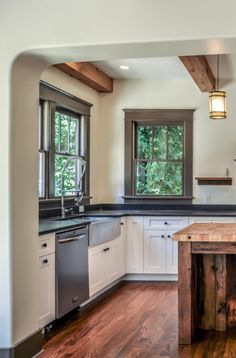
[[186, 293]]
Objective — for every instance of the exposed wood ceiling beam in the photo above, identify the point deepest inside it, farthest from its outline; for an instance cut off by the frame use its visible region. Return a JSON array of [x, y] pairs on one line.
[[88, 74], [199, 69]]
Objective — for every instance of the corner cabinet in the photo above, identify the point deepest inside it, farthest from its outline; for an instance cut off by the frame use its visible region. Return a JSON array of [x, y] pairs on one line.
[[106, 262], [46, 264]]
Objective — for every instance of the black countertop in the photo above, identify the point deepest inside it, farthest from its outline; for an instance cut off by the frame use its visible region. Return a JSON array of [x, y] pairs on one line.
[[49, 225]]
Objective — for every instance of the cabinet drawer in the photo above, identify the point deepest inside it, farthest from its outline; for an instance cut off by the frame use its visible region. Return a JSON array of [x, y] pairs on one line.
[[46, 244], [46, 260], [163, 222]]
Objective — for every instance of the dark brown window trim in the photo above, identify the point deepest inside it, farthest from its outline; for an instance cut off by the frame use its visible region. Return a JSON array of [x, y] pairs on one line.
[[138, 116], [62, 100]]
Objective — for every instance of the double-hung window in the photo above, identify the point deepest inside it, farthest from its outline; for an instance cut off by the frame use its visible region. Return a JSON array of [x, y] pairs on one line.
[[63, 139], [158, 154], [65, 149]]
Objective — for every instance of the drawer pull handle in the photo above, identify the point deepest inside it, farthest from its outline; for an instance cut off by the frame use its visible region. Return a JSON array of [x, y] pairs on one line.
[[44, 244], [45, 261], [107, 249]]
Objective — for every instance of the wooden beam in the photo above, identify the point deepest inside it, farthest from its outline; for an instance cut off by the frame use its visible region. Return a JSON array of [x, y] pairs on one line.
[[88, 74], [200, 71]]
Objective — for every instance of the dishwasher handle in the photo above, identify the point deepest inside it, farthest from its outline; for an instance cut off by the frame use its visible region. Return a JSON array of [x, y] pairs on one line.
[[70, 239]]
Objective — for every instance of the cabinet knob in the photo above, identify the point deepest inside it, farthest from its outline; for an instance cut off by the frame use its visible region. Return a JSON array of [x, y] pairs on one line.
[[168, 236], [45, 261], [166, 223], [44, 244], [122, 223], [163, 236]]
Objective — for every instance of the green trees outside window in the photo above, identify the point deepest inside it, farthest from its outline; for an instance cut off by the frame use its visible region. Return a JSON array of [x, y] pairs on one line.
[[66, 145], [159, 159]]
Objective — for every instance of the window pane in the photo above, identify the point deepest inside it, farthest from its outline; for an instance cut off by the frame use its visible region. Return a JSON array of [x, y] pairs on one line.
[[144, 142], [64, 133], [41, 183], [159, 178], [175, 142], [70, 175], [160, 143], [74, 135]]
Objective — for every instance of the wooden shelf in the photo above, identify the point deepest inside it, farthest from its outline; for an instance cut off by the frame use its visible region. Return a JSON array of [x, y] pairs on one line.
[[214, 180]]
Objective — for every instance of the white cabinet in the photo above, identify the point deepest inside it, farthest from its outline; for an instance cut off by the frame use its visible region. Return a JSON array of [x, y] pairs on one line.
[[112, 261], [46, 265], [172, 254], [160, 252], [154, 251], [123, 248], [107, 262], [205, 219], [96, 269], [46, 289], [134, 232]]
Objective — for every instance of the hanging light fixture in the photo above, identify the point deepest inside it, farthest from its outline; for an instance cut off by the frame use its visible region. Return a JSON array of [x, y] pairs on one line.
[[217, 100]]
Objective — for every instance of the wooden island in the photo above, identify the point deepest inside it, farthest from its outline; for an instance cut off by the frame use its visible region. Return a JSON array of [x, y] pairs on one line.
[[207, 278]]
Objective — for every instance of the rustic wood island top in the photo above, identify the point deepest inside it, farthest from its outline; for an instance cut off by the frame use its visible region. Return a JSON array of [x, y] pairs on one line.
[[207, 232]]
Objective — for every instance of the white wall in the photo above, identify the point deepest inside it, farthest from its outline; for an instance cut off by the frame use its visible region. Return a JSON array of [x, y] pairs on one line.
[[214, 141]]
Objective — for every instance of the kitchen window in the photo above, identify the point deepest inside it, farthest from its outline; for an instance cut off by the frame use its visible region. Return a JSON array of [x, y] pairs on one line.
[[63, 138], [158, 154]]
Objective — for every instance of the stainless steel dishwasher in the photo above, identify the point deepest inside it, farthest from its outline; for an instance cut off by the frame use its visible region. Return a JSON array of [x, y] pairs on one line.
[[72, 281]]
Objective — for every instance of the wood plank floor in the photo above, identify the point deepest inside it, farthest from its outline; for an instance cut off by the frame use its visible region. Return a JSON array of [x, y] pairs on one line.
[[138, 320]]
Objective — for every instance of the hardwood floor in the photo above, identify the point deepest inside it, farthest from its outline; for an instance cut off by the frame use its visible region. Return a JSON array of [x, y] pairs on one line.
[[138, 320]]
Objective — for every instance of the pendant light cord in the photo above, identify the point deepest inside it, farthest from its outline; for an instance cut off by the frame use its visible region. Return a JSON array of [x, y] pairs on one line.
[[218, 73]]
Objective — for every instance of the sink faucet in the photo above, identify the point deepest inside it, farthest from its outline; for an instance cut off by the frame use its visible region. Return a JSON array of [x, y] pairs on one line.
[[78, 191]]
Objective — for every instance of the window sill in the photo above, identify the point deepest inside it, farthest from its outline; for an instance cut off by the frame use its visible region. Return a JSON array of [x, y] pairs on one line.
[[51, 200], [151, 197]]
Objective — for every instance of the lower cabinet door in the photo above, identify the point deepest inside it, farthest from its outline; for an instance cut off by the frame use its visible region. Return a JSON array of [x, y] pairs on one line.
[[112, 261], [46, 289], [96, 269], [155, 251], [172, 254]]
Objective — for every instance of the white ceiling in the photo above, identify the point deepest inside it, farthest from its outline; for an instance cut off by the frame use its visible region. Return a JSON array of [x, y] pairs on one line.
[[159, 68], [156, 68]]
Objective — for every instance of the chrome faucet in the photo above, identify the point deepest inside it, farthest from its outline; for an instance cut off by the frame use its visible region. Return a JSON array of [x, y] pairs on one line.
[[79, 192]]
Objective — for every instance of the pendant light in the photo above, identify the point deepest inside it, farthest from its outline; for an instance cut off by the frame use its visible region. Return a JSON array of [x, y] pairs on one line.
[[217, 100]]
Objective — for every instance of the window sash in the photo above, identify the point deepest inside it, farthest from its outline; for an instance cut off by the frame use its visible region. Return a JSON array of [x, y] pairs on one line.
[[156, 117], [54, 152], [53, 99]]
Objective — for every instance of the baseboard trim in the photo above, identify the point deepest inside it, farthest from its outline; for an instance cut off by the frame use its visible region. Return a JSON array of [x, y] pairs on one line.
[[150, 277], [27, 348]]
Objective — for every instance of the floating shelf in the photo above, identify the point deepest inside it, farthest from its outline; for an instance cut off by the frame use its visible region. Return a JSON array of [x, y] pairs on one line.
[[214, 180]]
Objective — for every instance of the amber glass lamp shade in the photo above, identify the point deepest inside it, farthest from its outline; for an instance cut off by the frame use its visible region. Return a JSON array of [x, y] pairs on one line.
[[217, 105]]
